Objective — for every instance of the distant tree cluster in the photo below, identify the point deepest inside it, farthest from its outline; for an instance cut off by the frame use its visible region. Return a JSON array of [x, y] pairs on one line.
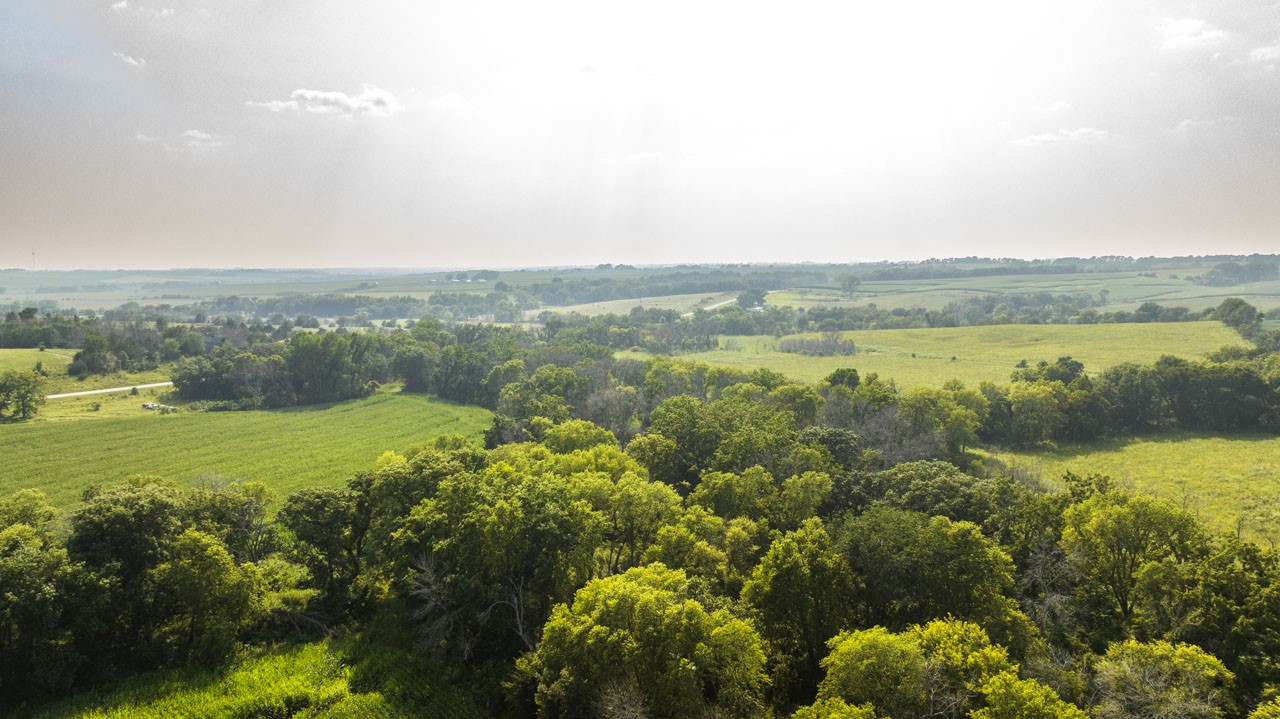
[[830, 344], [1255, 269], [307, 369]]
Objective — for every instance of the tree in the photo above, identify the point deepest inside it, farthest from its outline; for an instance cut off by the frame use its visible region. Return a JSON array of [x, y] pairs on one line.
[[1110, 536], [803, 593], [751, 298], [642, 630], [917, 568], [21, 393], [1270, 710], [1157, 680], [34, 571], [330, 527], [495, 549], [875, 666], [849, 283], [834, 708], [844, 377], [1006, 696], [208, 597], [1237, 314]]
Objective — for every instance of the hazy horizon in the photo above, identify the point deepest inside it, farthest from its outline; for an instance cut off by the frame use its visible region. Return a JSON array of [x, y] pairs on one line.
[[182, 134]]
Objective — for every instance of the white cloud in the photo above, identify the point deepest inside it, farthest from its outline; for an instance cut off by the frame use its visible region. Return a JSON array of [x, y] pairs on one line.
[[1080, 134], [126, 59], [198, 141], [125, 5], [1188, 33], [275, 105], [372, 101], [1191, 124], [1059, 106], [140, 137], [1270, 53]]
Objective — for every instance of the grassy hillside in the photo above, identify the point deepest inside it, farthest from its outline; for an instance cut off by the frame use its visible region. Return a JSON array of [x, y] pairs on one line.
[[287, 449], [55, 363], [313, 680], [1225, 480], [924, 356]]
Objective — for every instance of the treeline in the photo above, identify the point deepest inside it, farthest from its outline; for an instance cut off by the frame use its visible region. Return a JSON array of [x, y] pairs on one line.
[[1255, 269], [571, 577], [951, 269], [307, 369], [108, 344]]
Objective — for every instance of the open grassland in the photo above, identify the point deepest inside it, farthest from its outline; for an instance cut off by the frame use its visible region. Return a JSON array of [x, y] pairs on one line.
[[324, 679], [680, 303], [924, 356], [1230, 482], [286, 449], [55, 361], [1124, 290]]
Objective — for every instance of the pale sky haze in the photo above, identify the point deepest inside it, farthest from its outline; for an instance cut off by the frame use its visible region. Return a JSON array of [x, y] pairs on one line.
[[166, 133]]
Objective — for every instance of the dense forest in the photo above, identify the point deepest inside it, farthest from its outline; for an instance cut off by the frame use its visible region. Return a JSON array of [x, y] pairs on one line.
[[668, 539]]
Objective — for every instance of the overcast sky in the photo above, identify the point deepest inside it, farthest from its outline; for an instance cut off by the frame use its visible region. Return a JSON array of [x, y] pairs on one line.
[[476, 133]]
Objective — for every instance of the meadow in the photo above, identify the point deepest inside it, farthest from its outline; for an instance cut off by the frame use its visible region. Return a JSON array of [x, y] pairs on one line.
[[974, 354], [1231, 483], [329, 678], [681, 303], [1125, 290], [57, 381], [287, 449]]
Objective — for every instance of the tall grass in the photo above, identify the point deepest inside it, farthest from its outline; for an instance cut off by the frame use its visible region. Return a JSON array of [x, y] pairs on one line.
[[335, 679], [1232, 483]]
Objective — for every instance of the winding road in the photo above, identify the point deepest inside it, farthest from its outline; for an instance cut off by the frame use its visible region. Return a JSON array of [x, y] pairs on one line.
[[108, 391]]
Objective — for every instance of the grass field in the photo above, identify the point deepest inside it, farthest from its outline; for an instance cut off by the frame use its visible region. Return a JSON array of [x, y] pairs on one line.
[[682, 303], [1127, 290], [286, 449], [328, 678], [55, 363], [1224, 480], [924, 356]]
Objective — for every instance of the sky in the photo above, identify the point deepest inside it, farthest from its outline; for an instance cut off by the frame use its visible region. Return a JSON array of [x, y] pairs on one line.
[[414, 133]]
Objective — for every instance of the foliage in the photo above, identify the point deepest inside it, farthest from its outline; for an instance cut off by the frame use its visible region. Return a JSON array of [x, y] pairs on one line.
[[1145, 681], [641, 629], [21, 394]]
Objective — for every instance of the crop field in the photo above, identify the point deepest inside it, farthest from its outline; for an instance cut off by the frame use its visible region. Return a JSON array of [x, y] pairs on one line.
[[286, 449], [1232, 483], [974, 354]]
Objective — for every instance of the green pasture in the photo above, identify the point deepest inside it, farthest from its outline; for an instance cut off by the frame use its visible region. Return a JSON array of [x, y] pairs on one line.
[[1125, 290], [322, 679], [1232, 483], [925, 356], [287, 449], [55, 363], [680, 303]]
